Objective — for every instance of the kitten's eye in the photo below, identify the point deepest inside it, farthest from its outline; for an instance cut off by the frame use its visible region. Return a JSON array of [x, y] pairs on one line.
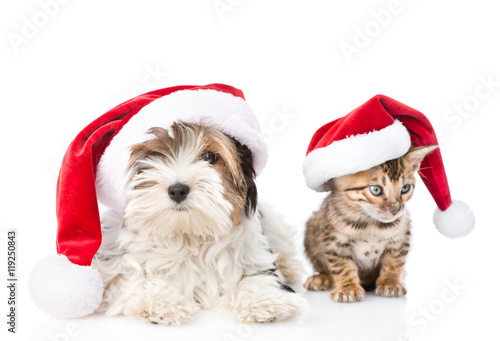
[[376, 190], [405, 189], [209, 157]]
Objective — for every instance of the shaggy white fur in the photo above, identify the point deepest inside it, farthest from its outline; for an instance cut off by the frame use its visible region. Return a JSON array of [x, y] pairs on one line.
[[281, 237], [163, 261], [170, 281]]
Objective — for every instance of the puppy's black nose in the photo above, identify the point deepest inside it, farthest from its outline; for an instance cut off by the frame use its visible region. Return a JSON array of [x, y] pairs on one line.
[[178, 192]]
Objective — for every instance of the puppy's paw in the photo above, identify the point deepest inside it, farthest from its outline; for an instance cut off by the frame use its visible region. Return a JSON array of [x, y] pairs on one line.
[[390, 288], [158, 302], [261, 299], [348, 294], [166, 313], [270, 309]]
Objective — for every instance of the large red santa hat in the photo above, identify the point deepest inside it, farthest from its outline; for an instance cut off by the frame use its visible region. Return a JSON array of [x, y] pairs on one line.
[[94, 168], [380, 130]]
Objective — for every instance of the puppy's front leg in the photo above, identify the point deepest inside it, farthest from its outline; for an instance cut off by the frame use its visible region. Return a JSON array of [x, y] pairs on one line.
[[158, 301], [263, 298]]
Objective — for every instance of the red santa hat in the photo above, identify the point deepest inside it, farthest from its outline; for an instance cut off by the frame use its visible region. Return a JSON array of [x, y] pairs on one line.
[[94, 168], [380, 130]]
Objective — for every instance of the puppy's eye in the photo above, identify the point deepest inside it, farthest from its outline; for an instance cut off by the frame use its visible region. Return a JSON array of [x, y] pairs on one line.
[[376, 190], [405, 189], [209, 157]]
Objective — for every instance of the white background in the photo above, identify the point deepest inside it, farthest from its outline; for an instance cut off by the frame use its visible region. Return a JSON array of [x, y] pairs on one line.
[[64, 66]]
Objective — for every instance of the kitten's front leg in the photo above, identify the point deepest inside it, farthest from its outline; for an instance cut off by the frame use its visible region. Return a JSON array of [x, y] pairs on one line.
[[344, 272], [389, 282]]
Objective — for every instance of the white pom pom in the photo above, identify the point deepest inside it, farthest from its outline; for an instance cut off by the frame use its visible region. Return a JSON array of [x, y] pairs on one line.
[[456, 221], [63, 289]]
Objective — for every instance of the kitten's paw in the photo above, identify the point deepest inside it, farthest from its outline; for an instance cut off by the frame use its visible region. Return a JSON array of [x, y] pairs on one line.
[[390, 288], [318, 282], [352, 293]]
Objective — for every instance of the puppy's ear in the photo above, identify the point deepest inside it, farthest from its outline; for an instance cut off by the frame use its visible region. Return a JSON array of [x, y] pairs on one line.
[[246, 164]]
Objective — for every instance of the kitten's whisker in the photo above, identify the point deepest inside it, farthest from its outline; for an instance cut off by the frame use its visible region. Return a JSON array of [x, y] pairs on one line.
[[424, 177]]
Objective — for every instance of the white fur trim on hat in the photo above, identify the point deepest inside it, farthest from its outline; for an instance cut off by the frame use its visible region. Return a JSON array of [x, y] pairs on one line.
[[355, 154], [231, 114], [63, 289], [456, 221]]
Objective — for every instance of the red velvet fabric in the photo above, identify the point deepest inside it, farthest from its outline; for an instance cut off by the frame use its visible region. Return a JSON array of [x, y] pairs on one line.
[[368, 117], [79, 227], [379, 112], [422, 133]]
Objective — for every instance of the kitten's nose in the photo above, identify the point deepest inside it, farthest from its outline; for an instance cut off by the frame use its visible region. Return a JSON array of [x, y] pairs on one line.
[[395, 210], [178, 192], [395, 207]]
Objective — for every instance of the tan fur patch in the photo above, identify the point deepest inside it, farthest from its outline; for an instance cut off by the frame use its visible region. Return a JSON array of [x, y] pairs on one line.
[[230, 172]]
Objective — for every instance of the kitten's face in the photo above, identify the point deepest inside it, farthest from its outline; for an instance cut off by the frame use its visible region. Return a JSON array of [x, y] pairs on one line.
[[382, 191]]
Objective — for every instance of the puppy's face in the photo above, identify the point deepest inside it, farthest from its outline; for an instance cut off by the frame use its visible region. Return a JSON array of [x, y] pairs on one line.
[[190, 179]]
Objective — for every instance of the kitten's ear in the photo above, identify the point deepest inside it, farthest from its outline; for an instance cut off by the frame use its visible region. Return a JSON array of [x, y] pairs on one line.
[[416, 154], [330, 184]]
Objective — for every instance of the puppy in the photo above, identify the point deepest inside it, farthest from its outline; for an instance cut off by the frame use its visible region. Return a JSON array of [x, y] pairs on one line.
[[193, 236]]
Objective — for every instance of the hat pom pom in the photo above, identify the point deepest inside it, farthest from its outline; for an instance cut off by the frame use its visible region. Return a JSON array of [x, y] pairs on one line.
[[456, 221], [65, 290]]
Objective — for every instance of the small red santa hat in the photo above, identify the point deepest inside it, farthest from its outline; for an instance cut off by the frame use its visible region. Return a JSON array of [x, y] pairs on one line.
[[380, 130], [95, 168]]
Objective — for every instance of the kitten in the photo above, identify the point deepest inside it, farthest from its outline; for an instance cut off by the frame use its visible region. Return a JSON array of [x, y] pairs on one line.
[[361, 234]]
